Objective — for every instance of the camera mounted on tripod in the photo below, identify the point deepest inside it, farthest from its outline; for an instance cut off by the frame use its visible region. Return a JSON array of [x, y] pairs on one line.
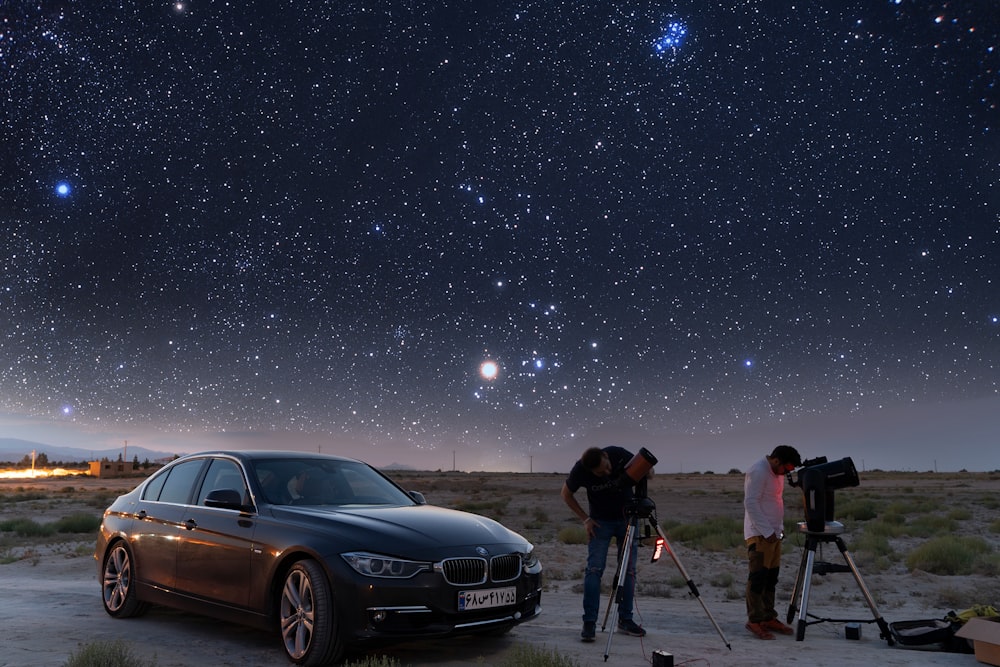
[[818, 479]]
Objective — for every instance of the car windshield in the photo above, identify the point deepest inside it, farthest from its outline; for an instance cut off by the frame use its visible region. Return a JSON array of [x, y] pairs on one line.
[[326, 482]]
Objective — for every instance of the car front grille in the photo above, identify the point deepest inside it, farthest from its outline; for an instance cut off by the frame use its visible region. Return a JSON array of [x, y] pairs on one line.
[[471, 571], [464, 571], [505, 568]]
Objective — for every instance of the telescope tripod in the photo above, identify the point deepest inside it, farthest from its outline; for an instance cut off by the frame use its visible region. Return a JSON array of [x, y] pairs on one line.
[[810, 566], [642, 508]]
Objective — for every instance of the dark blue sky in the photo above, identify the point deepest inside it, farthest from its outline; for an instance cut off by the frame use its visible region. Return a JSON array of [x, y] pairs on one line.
[[673, 223]]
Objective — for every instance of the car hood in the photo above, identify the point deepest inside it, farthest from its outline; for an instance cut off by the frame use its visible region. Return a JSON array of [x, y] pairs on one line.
[[418, 531]]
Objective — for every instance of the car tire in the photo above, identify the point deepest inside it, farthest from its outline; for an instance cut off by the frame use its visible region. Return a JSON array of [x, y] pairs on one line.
[[118, 583], [306, 616]]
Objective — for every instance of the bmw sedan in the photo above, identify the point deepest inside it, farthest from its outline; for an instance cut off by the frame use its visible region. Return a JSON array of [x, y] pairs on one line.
[[325, 551]]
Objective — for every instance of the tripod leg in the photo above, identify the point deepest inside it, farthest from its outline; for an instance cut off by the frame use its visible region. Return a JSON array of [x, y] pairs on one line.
[[792, 608], [806, 575], [882, 625], [619, 578], [691, 585], [625, 554]]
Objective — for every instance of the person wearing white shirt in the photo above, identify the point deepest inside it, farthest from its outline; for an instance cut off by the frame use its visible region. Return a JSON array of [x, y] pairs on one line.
[[763, 530]]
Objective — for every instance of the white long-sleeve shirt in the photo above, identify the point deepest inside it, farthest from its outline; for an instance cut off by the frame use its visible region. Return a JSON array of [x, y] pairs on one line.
[[763, 505]]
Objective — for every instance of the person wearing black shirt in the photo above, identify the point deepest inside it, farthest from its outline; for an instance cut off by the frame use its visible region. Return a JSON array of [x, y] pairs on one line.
[[600, 471]]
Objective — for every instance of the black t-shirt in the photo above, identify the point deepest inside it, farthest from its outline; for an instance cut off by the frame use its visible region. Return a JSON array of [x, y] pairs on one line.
[[606, 496]]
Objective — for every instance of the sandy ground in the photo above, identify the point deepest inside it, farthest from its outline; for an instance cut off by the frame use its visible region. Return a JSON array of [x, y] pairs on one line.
[[51, 604]]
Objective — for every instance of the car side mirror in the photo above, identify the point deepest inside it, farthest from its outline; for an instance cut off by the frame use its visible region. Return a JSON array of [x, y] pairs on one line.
[[418, 497], [229, 499]]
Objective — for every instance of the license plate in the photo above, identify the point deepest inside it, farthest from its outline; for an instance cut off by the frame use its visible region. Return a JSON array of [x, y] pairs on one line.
[[486, 598]]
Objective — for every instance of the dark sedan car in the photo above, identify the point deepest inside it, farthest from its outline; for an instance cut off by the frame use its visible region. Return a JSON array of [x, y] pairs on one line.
[[324, 550]]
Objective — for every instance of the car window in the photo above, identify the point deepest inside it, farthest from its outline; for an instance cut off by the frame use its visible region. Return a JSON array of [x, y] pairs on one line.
[[223, 474], [154, 486], [177, 488], [323, 482]]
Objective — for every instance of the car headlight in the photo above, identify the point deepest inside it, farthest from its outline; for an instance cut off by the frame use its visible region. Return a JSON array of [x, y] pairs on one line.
[[377, 565], [530, 562]]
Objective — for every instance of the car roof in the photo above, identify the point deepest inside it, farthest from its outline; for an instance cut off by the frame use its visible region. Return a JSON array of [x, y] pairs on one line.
[[249, 455]]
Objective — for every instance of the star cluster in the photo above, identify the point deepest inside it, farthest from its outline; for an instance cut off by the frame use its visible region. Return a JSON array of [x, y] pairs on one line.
[[327, 217]]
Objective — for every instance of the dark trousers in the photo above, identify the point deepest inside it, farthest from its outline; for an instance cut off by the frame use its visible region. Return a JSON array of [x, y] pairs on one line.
[[764, 559]]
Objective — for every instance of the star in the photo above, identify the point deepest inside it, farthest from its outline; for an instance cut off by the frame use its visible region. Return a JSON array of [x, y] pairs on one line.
[[489, 370]]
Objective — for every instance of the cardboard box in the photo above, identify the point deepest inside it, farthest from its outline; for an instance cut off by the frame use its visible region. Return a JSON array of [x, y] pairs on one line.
[[985, 634]]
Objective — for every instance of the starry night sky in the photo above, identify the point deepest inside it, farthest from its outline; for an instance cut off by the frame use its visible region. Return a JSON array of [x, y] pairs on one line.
[[675, 224]]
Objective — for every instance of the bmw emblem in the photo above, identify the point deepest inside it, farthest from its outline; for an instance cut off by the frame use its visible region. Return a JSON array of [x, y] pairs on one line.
[[482, 551]]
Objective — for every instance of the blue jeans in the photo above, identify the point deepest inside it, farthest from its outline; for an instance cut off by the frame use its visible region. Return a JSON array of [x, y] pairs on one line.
[[597, 556]]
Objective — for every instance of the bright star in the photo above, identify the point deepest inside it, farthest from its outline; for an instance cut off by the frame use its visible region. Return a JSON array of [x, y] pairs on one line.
[[63, 189], [489, 370]]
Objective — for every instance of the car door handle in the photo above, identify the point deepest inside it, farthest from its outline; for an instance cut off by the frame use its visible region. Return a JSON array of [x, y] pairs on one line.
[[141, 515], [190, 524]]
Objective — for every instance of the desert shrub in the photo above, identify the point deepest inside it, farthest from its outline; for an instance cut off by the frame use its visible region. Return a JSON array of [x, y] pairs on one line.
[[541, 518], [27, 528], [948, 555], [887, 525], [960, 514], [722, 579], [929, 525], [106, 654], [860, 509], [523, 655], [572, 535], [78, 523], [713, 534], [872, 543], [913, 506], [22, 495]]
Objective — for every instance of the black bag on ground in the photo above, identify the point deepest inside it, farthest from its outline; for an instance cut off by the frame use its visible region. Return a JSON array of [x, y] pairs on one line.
[[932, 634]]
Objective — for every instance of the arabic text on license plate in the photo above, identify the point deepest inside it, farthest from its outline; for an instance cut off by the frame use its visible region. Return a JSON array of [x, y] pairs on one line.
[[486, 598]]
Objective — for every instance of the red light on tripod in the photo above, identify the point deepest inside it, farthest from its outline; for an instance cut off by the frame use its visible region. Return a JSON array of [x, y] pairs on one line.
[[658, 550]]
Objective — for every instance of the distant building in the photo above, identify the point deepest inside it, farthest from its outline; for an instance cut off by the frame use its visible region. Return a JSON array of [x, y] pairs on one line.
[[106, 468]]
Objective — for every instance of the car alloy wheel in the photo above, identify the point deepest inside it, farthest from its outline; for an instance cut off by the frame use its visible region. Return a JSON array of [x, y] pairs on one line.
[[118, 585], [306, 616]]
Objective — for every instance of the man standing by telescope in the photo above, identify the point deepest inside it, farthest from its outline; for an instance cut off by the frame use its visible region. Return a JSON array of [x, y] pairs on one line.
[[763, 530], [609, 490]]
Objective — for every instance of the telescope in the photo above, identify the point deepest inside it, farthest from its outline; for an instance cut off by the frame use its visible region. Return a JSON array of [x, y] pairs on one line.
[[636, 472], [818, 479]]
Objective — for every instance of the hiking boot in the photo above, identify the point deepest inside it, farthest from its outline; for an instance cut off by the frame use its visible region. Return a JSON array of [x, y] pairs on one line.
[[589, 631], [759, 630], [777, 626], [630, 627]]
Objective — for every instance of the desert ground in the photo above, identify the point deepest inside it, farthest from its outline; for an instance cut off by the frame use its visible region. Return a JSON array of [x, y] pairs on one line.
[[51, 604]]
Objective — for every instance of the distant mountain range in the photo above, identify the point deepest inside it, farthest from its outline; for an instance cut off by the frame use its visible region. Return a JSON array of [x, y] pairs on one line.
[[14, 450]]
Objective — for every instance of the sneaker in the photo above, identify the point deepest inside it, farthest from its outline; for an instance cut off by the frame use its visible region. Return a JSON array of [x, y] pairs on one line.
[[589, 631], [630, 627], [777, 626], [759, 630]]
